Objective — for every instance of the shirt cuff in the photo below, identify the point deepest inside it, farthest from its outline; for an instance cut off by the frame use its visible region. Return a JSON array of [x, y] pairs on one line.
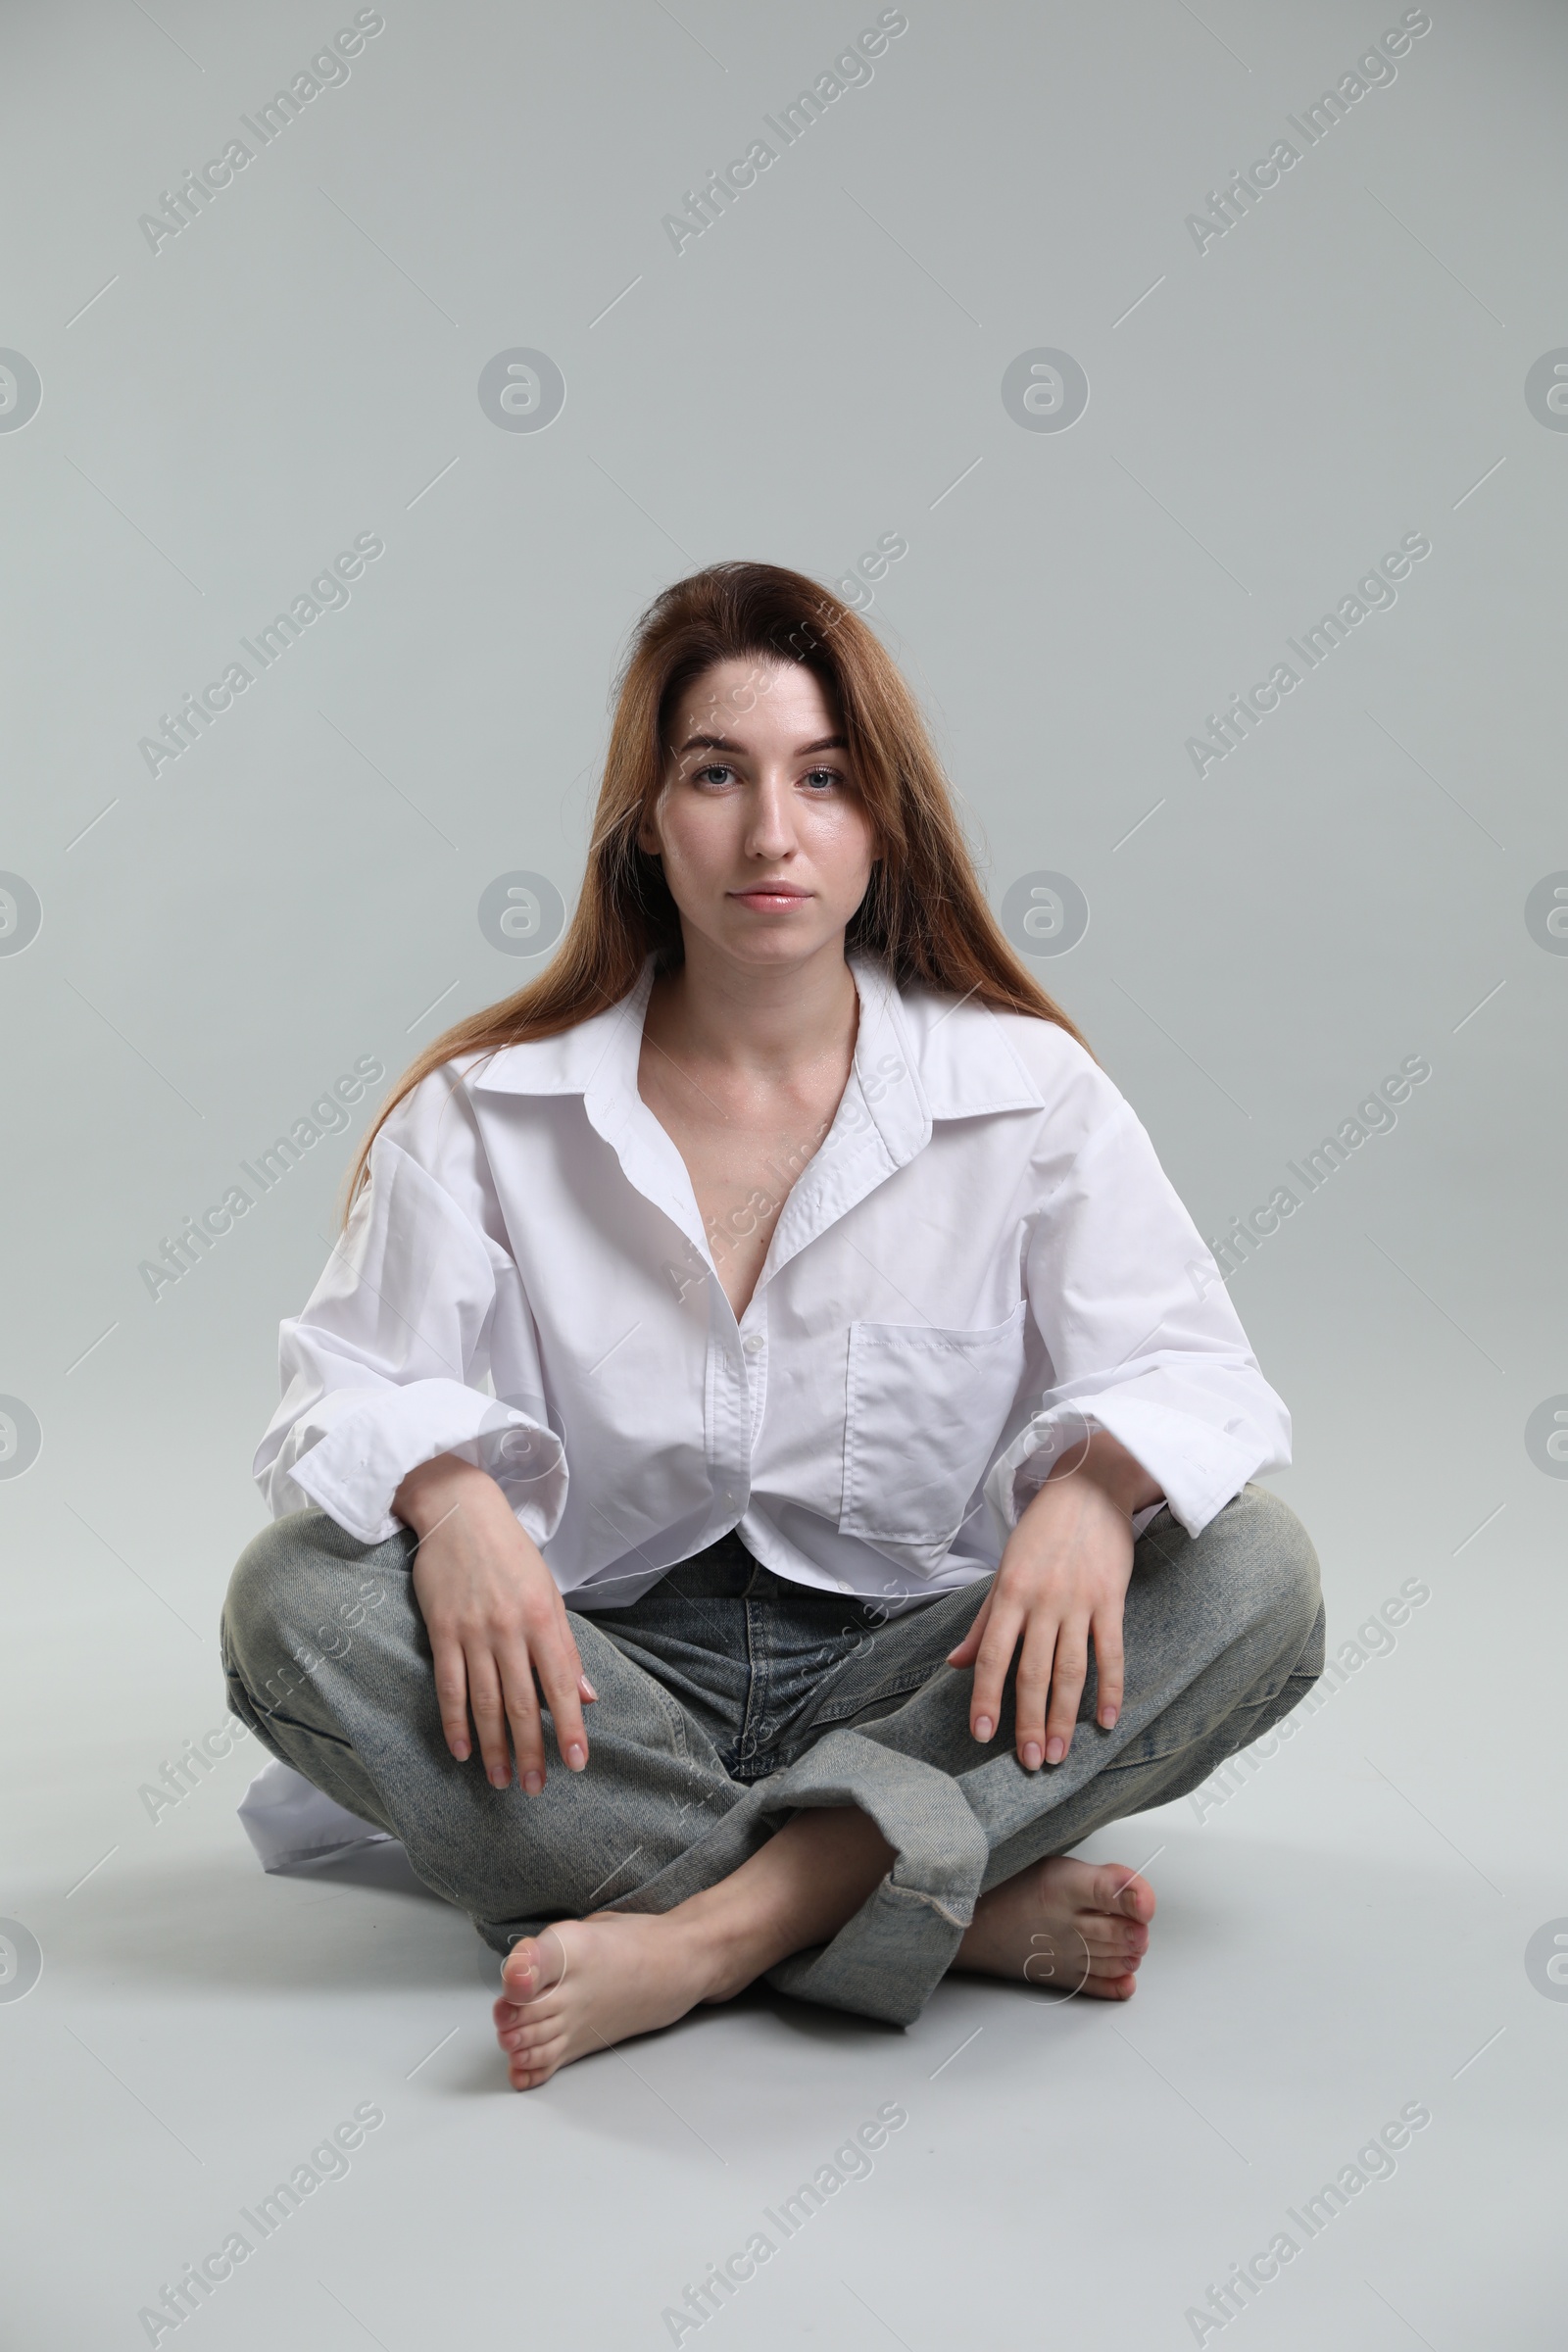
[[1198, 1468], [353, 1463]]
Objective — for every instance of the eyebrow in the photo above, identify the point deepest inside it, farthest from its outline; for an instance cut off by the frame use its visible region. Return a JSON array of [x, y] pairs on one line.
[[723, 743]]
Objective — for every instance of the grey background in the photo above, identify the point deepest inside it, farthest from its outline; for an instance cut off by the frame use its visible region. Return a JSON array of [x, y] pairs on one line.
[[822, 368]]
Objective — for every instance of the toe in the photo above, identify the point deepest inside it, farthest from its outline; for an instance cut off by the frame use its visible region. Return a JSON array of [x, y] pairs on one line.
[[1111, 1979], [533, 1964], [1105, 1965], [532, 2030], [535, 2061], [1122, 1891], [1111, 1935]]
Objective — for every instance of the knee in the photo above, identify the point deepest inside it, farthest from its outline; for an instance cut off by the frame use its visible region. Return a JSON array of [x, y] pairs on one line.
[[1274, 1561], [267, 1596], [295, 1591]]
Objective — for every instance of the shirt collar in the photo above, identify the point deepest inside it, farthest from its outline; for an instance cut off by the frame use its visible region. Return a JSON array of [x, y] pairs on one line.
[[918, 1057], [590, 1058]]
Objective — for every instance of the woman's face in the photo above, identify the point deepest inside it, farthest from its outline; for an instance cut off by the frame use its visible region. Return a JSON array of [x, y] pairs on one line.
[[767, 846]]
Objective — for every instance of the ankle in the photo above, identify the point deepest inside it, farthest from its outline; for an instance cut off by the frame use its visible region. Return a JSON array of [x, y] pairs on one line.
[[723, 1948]]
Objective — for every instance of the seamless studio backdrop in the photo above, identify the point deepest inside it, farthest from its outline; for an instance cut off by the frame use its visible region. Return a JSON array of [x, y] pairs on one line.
[[1183, 394]]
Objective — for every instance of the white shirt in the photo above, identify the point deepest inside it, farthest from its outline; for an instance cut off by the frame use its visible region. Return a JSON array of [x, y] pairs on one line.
[[983, 1258]]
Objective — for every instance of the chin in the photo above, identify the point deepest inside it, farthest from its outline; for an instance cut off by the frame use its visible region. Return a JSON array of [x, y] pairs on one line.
[[781, 939]]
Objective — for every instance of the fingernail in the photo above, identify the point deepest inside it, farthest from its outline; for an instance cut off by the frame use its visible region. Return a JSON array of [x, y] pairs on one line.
[[984, 1727], [460, 1750], [1107, 1717], [1056, 1749], [1030, 1755], [576, 1757], [533, 1781], [588, 1690], [500, 1777]]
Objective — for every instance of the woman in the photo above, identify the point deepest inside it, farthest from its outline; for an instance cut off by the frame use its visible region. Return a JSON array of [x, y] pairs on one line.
[[770, 1332]]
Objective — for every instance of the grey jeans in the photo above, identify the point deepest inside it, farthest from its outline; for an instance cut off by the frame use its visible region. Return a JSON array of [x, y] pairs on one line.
[[730, 1699]]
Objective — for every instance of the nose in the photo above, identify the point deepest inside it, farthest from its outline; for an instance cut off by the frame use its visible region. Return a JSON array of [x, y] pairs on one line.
[[770, 830]]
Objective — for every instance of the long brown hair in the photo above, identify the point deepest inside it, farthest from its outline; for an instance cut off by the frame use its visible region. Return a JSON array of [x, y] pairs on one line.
[[924, 913]]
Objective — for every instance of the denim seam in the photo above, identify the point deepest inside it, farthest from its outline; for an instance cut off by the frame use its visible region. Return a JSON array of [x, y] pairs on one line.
[[754, 1707], [932, 1902], [312, 1731], [675, 1716], [258, 1714]]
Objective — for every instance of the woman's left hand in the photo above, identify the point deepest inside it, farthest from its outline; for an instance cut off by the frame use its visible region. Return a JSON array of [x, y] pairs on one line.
[[1062, 1581]]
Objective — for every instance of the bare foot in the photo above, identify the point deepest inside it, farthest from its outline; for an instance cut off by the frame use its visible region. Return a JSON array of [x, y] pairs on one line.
[[1066, 1925], [587, 1983]]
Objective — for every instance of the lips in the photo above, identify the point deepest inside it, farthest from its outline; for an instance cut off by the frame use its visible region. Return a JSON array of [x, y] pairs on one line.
[[771, 893]]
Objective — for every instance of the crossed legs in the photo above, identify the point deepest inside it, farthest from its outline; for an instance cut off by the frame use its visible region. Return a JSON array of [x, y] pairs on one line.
[[582, 1984], [891, 1849]]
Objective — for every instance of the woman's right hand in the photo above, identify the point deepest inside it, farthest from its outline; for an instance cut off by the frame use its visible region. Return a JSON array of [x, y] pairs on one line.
[[496, 1619]]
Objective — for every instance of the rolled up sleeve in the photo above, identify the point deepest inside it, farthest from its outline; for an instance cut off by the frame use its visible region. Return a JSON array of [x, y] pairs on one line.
[[1141, 1337], [383, 1368]]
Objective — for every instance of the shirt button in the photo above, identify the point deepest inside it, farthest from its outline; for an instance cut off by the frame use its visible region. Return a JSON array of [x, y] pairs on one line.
[[729, 1498], [752, 1344]]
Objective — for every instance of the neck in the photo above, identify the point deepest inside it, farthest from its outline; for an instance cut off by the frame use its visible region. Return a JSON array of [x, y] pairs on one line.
[[763, 1019]]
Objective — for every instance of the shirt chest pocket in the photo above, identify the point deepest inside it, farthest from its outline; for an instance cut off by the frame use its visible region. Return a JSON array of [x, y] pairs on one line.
[[923, 1414]]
